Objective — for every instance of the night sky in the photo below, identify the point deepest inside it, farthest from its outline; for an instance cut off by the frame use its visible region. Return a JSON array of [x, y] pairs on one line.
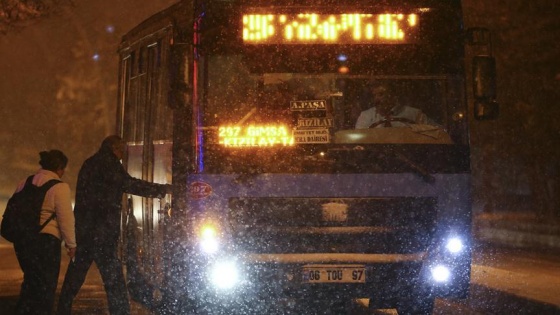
[[59, 81]]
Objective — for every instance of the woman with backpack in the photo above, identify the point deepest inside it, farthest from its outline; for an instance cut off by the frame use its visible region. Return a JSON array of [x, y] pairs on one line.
[[39, 255]]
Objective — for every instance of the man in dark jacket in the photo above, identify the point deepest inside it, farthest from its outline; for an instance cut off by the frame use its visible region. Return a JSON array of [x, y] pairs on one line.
[[102, 180]]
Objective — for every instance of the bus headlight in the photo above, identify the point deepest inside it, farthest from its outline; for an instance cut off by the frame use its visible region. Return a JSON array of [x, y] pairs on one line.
[[455, 245], [209, 240], [441, 273], [224, 275]]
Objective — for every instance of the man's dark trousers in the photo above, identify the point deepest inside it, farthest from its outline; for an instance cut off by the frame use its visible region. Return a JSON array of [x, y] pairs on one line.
[[110, 268]]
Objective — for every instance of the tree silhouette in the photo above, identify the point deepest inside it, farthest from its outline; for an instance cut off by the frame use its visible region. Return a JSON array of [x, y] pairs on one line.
[[16, 13]]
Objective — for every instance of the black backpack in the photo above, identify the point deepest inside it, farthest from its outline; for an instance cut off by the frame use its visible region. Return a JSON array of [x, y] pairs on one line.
[[23, 212]]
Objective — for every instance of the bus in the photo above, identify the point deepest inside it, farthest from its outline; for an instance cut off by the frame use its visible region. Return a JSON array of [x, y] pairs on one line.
[[281, 202]]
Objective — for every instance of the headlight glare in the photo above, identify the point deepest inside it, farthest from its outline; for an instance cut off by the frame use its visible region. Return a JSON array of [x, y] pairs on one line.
[[441, 273], [224, 275], [455, 245], [209, 242]]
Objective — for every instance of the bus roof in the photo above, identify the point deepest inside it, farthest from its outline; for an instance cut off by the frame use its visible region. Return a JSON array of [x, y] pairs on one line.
[[178, 14]]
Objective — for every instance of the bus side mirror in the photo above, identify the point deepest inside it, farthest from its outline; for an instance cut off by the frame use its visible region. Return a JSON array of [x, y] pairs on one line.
[[486, 109], [484, 88], [478, 36], [484, 76]]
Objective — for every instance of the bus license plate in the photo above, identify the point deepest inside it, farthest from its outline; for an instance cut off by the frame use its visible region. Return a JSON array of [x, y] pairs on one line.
[[333, 274]]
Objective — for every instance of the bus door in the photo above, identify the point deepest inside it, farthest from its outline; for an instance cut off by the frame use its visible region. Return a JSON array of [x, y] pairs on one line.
[[146, 129]]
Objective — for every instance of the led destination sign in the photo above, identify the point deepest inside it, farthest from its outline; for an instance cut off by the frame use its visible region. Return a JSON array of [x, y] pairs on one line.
[[255, 136], [313, 28]]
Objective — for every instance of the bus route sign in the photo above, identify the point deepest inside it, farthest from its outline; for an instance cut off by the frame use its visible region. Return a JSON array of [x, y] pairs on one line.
[[304, 136]]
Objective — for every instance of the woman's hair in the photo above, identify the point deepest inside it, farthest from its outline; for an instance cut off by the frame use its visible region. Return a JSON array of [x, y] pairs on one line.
[[53, 160]]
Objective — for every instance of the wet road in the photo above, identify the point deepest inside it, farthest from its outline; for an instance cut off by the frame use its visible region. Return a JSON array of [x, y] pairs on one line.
[[503, 281], [90, 300]]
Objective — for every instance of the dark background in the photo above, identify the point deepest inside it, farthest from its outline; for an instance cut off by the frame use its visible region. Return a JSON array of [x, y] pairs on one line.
[[55, 93]]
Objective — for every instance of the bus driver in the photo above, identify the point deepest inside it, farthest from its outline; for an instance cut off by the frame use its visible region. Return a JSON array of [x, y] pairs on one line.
[[387, 112]]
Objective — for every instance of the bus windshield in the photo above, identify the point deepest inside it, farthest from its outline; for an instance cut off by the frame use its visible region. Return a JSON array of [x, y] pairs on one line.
[[292, 109], [284, 122], [271, 89]]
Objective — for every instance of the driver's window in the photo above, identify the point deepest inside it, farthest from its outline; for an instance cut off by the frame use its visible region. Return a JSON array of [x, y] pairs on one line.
[[396, 103]]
